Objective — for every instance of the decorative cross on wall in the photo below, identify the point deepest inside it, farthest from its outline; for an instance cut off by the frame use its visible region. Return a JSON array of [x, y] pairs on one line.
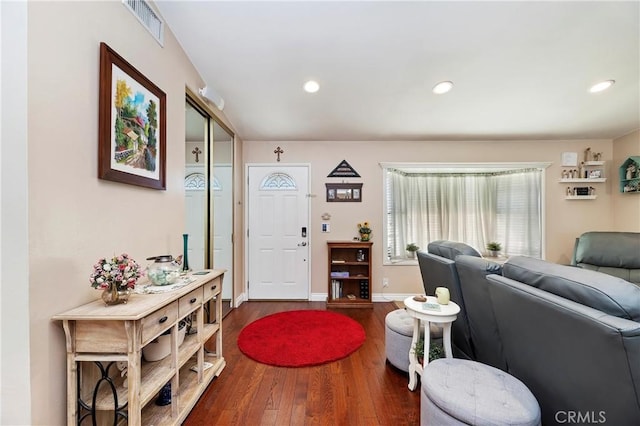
[[278, 151], [197, 152]]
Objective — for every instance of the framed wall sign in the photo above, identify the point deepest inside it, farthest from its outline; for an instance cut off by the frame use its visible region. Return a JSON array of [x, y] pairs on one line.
[[569, 159], [132, 124], [344, 192]]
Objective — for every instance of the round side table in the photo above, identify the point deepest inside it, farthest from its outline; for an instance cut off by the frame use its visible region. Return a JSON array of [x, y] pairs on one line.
[[446, 315]]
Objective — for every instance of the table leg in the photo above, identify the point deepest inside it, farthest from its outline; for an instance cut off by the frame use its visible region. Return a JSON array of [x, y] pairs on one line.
[[413, 360], [427, 344], [446, 339]]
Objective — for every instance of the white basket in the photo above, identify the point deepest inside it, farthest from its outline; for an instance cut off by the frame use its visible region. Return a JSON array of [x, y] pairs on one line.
[[160, 347]]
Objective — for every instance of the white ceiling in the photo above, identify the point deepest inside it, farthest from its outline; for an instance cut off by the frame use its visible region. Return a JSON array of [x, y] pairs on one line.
[[521, 69]]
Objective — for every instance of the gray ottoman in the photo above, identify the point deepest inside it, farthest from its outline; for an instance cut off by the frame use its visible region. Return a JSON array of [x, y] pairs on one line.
[[398, 332], [463, 392]]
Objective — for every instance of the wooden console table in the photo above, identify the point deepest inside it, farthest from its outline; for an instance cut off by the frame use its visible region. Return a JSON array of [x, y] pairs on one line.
[[101, 336]]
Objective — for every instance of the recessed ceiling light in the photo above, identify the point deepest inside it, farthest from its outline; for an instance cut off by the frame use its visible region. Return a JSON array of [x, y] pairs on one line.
[[603, 85], [311, 86], [442, 87]]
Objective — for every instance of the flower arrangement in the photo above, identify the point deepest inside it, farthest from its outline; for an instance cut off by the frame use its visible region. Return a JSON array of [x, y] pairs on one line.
[[121, 270], [364, 230]]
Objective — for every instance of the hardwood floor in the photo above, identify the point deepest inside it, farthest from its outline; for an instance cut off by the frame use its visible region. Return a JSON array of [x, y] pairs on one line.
[[362, 389]]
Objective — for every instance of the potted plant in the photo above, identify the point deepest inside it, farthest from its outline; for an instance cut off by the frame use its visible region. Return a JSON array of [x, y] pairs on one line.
[[412, 248], [494, 248], [436, 350]]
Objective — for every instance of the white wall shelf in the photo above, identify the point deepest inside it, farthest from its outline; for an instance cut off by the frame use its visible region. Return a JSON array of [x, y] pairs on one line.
[[580, 197], [583, 180]]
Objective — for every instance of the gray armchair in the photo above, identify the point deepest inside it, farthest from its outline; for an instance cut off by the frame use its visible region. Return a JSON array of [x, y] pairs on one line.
[[612, 253]]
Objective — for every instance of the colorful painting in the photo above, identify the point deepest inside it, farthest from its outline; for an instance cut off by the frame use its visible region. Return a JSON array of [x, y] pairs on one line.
[[132, 124]]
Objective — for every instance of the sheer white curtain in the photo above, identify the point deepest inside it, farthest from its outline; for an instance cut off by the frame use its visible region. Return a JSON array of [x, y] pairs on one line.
[[474, 208]]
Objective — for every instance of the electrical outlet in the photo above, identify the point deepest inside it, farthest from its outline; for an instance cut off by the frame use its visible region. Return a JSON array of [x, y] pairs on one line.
[[385, 282]]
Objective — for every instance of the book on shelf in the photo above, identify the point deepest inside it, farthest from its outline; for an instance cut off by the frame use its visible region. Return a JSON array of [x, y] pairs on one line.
[[339, 274], [336, 289]]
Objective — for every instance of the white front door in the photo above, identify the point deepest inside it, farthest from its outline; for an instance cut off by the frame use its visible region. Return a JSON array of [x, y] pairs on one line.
[[278, 232]]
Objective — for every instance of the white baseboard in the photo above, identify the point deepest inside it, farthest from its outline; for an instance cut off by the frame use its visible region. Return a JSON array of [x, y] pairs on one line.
[[322, 297]]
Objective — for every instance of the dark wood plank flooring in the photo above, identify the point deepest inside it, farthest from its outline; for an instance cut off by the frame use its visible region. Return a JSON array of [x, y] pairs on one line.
[[362, 389]]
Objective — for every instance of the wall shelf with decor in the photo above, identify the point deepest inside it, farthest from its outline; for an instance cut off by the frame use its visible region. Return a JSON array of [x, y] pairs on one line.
[[98, 336], [349, 274], [588, 172], [630, 175]]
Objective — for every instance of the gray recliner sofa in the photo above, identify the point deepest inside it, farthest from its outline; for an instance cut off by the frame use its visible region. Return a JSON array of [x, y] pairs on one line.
[[571, 335], [613, 253], [438, 269]]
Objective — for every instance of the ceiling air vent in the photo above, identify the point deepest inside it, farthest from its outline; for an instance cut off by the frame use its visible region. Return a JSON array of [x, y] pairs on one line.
[[148, 17]]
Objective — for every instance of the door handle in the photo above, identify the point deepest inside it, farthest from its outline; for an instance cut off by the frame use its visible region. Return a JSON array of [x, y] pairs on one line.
[[302, 244]]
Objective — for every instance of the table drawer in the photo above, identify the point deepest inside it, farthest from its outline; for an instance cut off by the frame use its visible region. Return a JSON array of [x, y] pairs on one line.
[[212, 288], [159, 321], [188, 303]]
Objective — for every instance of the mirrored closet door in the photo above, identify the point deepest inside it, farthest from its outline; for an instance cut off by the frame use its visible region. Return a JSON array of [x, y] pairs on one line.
[[209, 194]]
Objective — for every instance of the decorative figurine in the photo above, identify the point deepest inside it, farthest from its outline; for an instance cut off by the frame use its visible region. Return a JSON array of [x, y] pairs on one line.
[[630, 169]]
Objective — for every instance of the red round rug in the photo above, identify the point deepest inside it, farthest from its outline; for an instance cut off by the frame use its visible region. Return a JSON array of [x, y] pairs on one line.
[[301, 338]]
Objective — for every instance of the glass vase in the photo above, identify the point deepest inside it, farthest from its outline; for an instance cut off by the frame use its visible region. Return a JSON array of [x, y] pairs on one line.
[[185, 252], [114, 296]]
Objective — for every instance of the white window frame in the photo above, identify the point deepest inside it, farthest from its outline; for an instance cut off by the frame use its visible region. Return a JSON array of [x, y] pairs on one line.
[[458, 168]]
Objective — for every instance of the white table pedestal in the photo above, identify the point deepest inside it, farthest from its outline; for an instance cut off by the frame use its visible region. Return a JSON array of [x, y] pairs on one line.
[[445, 316]]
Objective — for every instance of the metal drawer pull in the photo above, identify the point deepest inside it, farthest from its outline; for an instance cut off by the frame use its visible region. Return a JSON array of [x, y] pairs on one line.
[[163, 319], [213, 287], [193, 300]]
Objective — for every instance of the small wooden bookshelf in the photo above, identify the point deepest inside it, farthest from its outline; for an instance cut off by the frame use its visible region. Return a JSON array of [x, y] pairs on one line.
[[349, 274]]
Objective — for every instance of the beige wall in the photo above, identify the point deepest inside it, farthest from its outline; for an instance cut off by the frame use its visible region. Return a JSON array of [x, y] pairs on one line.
[[564, 219], [626, 206], [75, 218]]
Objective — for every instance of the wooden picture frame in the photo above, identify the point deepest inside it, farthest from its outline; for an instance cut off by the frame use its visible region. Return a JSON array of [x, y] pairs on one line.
[[132, 125], [344, 192]]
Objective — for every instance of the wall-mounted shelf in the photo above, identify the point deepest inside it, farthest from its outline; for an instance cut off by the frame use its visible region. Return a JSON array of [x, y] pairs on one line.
[[580, 197], [630, 180], [586, 173], [583, 180]]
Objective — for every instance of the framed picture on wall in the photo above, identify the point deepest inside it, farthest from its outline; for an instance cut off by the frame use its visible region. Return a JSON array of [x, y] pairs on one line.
[[344, 192], [569, 159], [595, 174], [132, 124]]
